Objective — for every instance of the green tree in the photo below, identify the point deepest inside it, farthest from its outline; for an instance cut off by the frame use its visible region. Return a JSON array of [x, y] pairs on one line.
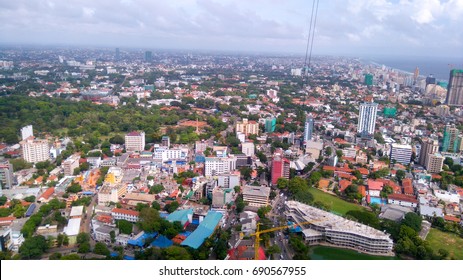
[[101, 249], [171, 207], [84, 247], [33, 247], [82, 238], [30, 198], [71, 257], [124, 226], [176, 253], [150, 221], [156, 189], [20, 164], [55, 256], [112, 234], [271, 250], [282, 183], [156, 205], [140, 206], [3, 200], [413, 221]]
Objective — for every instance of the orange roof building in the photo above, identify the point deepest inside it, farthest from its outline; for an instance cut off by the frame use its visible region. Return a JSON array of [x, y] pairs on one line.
[[47, 194]]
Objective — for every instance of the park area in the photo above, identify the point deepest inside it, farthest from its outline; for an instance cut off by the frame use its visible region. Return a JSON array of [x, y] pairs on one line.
[[337, 205], [448, 241], [332, 253]]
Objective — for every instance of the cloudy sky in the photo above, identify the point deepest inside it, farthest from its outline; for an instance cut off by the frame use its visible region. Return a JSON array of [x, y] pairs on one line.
[[370, 27]]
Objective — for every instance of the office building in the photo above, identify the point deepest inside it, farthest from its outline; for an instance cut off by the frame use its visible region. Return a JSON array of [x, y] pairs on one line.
[[227, 181], [135, 141], [434, 163], [338, 231], [111, 193], [165, 141], [429, 147], [219, 165], [35, 150], [270, 124], [256, 196], [27, 132], [6, 175], [450, 141], [430, 80], [367, 118], [247, 127], [117, 57], [248, 149], [148, 56], [70, 164], [222, 197], [280, 168], [455, 88], [368, 79], [308, 128], [401, 153]]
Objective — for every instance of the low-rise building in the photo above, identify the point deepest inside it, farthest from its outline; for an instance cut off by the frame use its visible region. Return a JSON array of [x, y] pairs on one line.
[[124, 214], [402, 200], [256, 196]]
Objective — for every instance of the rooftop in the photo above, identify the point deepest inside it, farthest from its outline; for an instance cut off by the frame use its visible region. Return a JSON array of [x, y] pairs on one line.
[[256, 191], [73, 227], [125, 212], [77, 211]]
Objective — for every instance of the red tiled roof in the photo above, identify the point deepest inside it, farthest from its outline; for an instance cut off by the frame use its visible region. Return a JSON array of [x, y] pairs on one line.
[[362, 191], [6, 221], [47, 193], [375, 185], [452, 218], [125, 212], [363, 171], [133, 133], [343, 184], [402, 197], [329, 168]]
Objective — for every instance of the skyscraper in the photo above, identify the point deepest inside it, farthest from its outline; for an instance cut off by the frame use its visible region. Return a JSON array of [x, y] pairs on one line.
[[450, 141], [270, 124], [368, 79], [280, 167], [429, 147], [117, 57], [308, 128], [367, 118], [148, 56], [455, 88], [35, 150]]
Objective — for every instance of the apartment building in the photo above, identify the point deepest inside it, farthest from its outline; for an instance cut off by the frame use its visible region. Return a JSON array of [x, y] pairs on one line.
[[35, 150], [135, 141]]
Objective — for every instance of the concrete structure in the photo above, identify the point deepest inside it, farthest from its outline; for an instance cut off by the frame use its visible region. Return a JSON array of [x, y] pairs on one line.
[[135, 141], [228, 180], [367, 118], [270, 124], [165, 141], [27, 132], [72, 229], [222, 197], [402, 200], [6, 175], [313, 149], [280, 168], [338, 231], [216, 166], [256, 196], [123, 214], [247, 127], [455, 88], [448, 197], [109, 193], [434, 163], [103, 233], [308, 128], [429, 146], [35, 150], [450, 141], [70, 164], [248, 149], [401, 153], [6, 240], [76, 212]]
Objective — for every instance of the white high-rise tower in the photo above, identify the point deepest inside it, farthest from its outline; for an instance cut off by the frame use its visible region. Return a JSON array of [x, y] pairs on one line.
[[367, 118]]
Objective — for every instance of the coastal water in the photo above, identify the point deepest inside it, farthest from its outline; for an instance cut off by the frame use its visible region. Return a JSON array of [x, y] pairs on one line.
[[438, 67]]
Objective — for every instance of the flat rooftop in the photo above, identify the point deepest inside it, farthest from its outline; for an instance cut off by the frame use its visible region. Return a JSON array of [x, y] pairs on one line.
[[333, 222]]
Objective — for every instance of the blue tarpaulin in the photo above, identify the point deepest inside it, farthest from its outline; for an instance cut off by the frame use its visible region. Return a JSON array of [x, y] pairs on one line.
[[162, 242]]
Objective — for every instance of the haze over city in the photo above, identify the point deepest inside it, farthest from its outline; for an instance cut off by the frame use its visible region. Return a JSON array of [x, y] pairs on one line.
[[380, 27]]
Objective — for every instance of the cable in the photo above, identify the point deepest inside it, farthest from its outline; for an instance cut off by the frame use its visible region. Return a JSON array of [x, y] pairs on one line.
[[310, 33], [313, 35]]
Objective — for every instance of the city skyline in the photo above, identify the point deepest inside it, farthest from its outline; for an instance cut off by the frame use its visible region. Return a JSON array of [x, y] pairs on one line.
[[418, 28]]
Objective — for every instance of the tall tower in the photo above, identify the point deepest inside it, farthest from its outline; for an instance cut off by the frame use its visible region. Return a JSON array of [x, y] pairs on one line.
[[450, 141], [416, 74], [117, 57], [367, 118], [148, 56], [308, 128], [429, 147], [455, 88]]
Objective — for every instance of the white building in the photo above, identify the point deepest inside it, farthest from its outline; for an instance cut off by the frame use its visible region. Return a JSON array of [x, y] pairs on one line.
[[434, 163], [164, 154], [247, 127], [35, 150], [222, 197], [447, 196], [27, 132], [367, 118], [327, 227], [256, 196], [123, 214], [70, 164], [103, 233], [248, 149], [216, 166], [401, 153], [228, 180], [402, 200], [135, 141]]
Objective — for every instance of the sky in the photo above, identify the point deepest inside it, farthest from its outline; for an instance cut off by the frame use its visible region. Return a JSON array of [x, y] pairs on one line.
[[344, 27]]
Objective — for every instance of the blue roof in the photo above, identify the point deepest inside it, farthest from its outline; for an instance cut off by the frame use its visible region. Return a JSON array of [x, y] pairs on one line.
[[114, 254], [163, 215], [129, 258], [141, 240], [162, 242], [180, 216], [30, 209], [204, 230]]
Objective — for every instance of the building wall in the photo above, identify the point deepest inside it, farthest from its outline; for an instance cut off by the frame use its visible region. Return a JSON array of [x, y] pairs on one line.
[[367, 118], [35, 150]]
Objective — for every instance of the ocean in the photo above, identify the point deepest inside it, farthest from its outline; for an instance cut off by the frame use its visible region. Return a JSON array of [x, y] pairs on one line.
[[438, 67]]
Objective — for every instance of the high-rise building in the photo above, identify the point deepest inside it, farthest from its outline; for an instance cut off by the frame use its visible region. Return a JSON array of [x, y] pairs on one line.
[[148, 56], [6, 175], [135, 141], [401, 153], [308, 128], [368, 79], [450, 141], [117, 57], [429, 147], [248, 148], [416, 74], [435, 163], [367, 118], [270, 124], [70, 164], [280, 168], [35, 150], [27, 132], [455, 88], [247, 127], [430, 80], [165, 141], [219, 165]]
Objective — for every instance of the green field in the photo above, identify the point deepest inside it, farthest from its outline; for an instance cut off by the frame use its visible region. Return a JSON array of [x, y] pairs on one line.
[[448, 241], [332, 253], [338, 205]]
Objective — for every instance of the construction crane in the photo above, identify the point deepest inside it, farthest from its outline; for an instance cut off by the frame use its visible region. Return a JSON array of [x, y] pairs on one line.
[[259, 232]]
